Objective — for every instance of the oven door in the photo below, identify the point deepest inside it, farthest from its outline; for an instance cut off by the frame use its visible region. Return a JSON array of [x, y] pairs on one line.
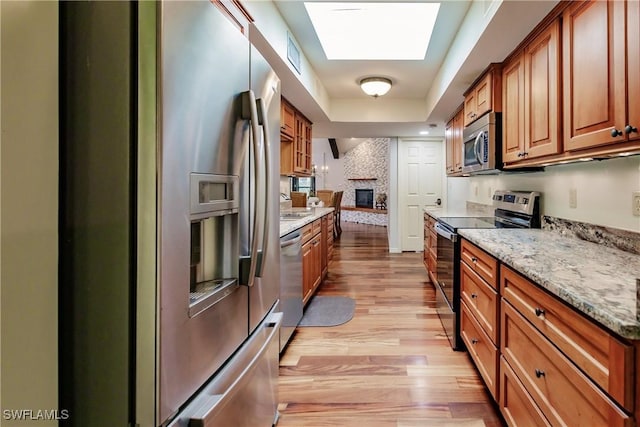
[[445, 286]]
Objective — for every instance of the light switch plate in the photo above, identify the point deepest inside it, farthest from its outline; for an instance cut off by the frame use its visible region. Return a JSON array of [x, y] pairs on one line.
[[573, 198]]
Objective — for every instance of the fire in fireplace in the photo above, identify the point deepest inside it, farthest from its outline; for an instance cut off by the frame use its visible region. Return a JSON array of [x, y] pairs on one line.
[[364, 198]]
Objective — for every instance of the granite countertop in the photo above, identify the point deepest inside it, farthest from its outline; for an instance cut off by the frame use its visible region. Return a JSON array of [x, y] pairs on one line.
[[597, 280], [289, 225]]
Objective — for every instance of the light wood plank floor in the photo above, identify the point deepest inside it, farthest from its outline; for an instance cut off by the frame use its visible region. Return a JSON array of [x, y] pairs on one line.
[[391, 365]]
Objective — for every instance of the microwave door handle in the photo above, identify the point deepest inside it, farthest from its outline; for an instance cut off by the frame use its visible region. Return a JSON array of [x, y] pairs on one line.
[[249, 103], [262, 117], [476, 146]]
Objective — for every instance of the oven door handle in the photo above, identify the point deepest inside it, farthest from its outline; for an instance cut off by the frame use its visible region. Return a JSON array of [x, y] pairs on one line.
[[445, 233]]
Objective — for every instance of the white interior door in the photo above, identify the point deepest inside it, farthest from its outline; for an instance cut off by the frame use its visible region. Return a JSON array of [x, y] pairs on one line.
[[420, 185]]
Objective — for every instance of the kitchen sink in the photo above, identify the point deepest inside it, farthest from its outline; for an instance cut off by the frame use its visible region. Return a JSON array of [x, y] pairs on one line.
[[292, 216]]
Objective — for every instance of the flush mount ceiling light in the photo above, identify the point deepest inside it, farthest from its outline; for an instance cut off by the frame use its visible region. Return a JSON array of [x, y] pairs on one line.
[[392, 30], [375, 86]]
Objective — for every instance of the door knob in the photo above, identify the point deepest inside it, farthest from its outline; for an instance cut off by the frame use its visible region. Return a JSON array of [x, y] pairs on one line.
[[615, 132], [630, 129]]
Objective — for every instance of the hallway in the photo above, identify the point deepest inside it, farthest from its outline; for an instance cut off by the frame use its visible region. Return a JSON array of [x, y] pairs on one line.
[[391, 365]]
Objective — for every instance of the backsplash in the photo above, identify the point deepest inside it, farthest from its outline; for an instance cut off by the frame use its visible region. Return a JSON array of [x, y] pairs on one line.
[[624, 240]]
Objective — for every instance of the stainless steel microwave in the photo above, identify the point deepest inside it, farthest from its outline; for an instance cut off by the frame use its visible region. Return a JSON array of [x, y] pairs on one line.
[[482, 145]]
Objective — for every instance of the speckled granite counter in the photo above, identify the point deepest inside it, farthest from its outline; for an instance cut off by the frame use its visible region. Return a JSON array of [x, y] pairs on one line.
[[598, 281], [289, 225]]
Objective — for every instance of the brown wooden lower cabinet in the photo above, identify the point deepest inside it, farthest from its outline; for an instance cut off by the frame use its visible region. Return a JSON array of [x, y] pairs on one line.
[[317, 250], [563, 393], [481, 349], [549, 364], [516, 404]]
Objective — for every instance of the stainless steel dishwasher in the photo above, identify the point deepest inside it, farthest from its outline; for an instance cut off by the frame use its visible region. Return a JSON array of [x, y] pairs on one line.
[[290, 284]]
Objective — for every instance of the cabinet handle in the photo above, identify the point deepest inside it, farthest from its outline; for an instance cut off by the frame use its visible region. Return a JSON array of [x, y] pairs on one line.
[[474, 259], [520, 154], [539, 373], [539, 311], [630, 129], [525, 154], [474, 341], [474, 295], [615, 132]]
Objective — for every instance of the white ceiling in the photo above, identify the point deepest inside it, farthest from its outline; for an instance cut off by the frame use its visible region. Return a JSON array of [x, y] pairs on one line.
[[412, 80]]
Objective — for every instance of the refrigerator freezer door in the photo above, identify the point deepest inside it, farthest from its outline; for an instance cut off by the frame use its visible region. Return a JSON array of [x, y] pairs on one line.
[[244, 393]]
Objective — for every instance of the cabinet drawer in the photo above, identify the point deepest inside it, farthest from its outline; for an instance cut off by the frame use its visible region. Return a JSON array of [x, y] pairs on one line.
[[481, 262], [516, 405], [307, 233], [608, 361], [563, 393], [482, 300], [481, 349], [316, 226]]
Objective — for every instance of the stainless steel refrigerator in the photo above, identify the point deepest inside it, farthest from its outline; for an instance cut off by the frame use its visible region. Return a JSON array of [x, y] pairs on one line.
[[169, 218]]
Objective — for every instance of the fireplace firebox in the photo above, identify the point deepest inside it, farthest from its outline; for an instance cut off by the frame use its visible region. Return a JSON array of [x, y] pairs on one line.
[[364, 198]]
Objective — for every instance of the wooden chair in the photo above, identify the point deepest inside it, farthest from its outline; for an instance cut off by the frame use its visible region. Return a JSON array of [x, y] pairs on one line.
[[335, 203], [298, 199], [326, 196]]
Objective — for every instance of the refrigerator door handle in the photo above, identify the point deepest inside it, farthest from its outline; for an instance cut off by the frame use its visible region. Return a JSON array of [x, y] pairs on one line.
[[262, 117], [250, 111]]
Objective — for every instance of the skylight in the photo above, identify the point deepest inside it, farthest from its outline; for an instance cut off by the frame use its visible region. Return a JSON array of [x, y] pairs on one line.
[[373, 31]]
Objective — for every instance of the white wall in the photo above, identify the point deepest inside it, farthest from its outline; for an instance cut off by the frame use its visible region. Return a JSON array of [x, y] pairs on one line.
[[29, 200], [323, 156], [603, 190]]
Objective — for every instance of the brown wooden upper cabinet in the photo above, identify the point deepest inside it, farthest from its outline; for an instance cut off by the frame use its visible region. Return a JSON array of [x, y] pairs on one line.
[[484, 95], [287, 121], [531, 92], [601, 73], [295, 142], [453, 143]]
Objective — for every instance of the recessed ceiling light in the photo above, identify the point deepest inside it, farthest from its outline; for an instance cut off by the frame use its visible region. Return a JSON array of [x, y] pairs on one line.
[[373, 31], [424, 132]]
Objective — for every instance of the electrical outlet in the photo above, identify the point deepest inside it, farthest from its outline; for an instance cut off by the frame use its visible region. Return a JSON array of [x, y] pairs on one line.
[[635, 207], [573, 198]]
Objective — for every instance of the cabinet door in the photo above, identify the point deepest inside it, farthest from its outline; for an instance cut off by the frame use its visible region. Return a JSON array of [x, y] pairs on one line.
[[542, 94], [457, 141], [484, 95], [594, 73], [308, 270], [448, 139], [287, 121], [633, 64], [307, 146], [513, 110], [299, 157], [469, 108], [316, 250]]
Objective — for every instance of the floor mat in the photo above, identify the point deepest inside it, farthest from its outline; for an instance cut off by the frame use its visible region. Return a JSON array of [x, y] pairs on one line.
[[328, 311]]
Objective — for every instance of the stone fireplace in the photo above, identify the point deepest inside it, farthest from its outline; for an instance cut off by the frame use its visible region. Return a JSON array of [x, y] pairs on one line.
[[364, 198]]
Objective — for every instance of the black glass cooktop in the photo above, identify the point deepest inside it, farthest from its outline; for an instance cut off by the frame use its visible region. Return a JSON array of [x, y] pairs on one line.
[[471, 222]]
